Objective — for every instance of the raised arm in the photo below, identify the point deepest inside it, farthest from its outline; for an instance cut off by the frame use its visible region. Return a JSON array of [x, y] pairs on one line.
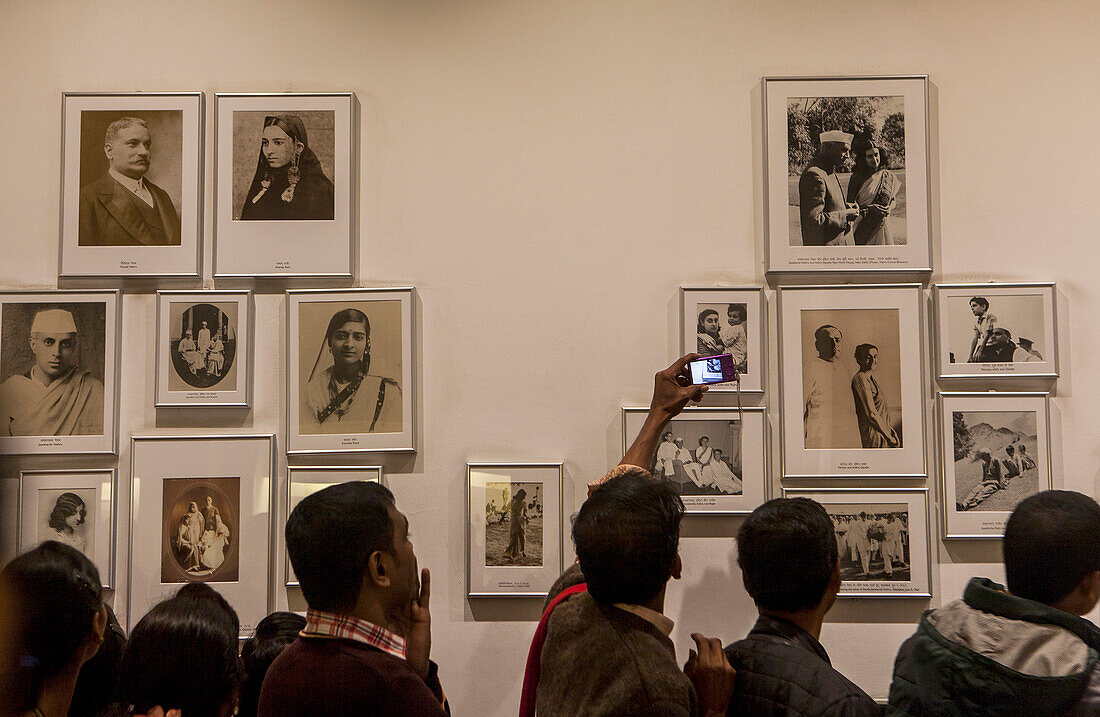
[[670, 396]]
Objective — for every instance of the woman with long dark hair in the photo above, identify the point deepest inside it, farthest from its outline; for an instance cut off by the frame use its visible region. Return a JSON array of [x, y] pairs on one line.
[[345, 397], [52, 621], [273, 634], [69, 512], [289, 182], [183, 656], [874, 188]]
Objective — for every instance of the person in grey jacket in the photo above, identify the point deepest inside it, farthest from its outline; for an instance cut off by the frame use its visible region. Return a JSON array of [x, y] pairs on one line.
[[787, 551], [1023, 650]]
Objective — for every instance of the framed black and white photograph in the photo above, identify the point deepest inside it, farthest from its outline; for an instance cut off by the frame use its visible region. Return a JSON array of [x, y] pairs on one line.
[[59, 359], [284, 185], [716, 458], [131, 184], [204, 348], [989, 331], [846, 166], [881, 538], [200, 511], [350, 371], [851, 381], [995, 451], [716, 320], [74, 507], [513, 533], [307, 480]]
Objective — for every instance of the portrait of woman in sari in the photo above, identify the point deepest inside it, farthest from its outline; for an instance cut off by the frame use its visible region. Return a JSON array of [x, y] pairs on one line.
[[709, 340], [874, 188], [289, 182]]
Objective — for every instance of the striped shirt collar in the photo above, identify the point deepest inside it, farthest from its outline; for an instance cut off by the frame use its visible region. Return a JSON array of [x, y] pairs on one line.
[[330, 625]]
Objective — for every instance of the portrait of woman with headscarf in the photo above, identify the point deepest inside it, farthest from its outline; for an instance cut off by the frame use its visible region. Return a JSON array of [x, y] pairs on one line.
[[289, 182]]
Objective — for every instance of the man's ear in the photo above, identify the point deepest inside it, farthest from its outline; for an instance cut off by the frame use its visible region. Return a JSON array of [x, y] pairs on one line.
[[677, 567], [1089, 589], [377, 570], [834, 579]]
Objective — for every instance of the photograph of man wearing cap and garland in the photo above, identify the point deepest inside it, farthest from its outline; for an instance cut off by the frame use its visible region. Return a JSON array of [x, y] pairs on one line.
[[52, 369]]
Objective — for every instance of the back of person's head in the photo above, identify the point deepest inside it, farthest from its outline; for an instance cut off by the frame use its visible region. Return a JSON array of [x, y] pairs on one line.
[[183, 655], [49, 600], [97, 682], [272, 636], [787, 552], [331, 534], [627, 535], [1051, 544]]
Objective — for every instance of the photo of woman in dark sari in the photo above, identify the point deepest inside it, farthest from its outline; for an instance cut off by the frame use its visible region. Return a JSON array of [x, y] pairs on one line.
[[289, 182], [874, 188]]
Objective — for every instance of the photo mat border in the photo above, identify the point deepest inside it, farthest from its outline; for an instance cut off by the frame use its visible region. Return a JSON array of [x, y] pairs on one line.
[[470, 467]]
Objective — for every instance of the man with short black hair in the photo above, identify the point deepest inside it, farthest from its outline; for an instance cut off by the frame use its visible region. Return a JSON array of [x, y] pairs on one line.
[[1023, 650], [602, 646], [364, 649], [787, 551]]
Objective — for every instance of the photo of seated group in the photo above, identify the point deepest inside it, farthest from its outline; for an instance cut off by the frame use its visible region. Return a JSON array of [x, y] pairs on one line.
[[872, 540], [995, 464], [701, 457]]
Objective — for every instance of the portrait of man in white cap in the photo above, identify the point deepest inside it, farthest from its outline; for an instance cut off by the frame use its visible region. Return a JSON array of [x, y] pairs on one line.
[[824, 216], [55, 396]]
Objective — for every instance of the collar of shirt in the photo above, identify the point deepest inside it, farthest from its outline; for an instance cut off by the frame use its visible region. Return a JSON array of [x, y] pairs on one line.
[[659, 621], [330, 625], [137, 186]]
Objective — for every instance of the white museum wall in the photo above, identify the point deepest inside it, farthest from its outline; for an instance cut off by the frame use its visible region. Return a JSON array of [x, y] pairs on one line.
[[547, 174]]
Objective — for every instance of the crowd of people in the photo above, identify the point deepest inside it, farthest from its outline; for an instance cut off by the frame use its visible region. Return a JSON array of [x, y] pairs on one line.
[[859, 536], [602, 646]]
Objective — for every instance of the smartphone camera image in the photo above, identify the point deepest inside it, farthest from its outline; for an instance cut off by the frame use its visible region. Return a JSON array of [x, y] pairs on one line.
[[712, 369]]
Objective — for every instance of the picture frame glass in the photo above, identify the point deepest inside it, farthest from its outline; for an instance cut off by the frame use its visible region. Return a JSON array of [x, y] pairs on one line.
[[514, 537], [827, 210]]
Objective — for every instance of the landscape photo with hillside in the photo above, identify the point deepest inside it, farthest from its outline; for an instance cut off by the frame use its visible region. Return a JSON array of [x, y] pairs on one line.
[[993, 432]]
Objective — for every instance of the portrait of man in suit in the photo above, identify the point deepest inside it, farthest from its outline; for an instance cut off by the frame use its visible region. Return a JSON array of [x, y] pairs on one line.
[[122, 207]]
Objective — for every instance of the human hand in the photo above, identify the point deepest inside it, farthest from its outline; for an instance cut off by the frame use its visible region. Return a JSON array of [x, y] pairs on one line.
[[711, 674], [418, 646], [892, 440], [851, 214], [880, 210], [670, 394]]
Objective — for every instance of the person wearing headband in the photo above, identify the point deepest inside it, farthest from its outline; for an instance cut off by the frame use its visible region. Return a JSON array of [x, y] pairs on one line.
[[346, 397], [289, 182], [823, 215], [122, 207], [55, 396]]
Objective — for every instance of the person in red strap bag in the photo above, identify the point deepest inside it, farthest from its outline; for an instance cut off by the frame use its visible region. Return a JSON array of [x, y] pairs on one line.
[[602, 646]]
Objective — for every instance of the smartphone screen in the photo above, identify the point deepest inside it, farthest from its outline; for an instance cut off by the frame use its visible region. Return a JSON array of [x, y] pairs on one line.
[[712, 369]]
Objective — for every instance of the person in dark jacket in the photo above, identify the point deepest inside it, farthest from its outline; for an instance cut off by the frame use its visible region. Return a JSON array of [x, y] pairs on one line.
[[1018, 651], [788, 556]]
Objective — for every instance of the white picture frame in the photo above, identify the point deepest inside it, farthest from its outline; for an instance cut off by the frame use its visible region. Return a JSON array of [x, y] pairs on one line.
[[302, 481], [978, 496], [206, 374], [166, 475], [348, 426], [914, 578], [705, 487], [78, 426], [41, 505], [1024, 312], [876, 102], [823, 433], [748, 338], [104, 232], [309, 232], [490, 571]]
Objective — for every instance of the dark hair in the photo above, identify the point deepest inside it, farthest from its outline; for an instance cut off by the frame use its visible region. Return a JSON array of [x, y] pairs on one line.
[[94, 695], [702, 316], [980, 301], [860, 145], [330, 536], [273, 634], [627, 535], [823, 329], [353, 316], [51, 595], [787, 552], [864, 350], [1051, 544], [67, 504], [1006, 332], [183, 655]]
